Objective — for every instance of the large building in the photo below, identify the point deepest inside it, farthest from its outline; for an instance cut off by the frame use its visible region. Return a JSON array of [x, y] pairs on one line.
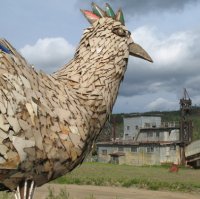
[[146, 141], [133, 124]]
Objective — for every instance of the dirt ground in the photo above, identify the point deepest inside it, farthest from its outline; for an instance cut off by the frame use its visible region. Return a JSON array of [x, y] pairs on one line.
[[86, 191]]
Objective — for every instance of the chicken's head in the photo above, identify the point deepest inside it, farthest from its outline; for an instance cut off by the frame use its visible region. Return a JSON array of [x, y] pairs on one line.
[[108, 35]]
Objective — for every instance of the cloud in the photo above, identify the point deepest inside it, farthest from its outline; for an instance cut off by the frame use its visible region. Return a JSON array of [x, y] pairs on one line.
[[48, 54], [162, 104], [135, 7], [161, 100], [166, 50], [159, 86], [176, 64]]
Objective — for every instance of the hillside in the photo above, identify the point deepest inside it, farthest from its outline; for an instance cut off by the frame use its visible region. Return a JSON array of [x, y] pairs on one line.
[[167, 116]]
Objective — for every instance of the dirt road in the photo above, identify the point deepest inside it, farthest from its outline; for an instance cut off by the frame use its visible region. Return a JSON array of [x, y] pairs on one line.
[[85, 192]]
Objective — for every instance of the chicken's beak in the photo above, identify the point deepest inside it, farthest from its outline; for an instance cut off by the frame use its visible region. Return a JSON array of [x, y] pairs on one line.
[[137, 51]]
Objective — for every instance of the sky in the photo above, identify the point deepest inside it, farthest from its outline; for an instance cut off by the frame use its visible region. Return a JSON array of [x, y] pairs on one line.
[[47, 33]]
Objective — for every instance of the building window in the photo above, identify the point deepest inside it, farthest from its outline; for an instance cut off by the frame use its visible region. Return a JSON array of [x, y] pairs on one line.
[[136, 127], [121, 149], [150, 149], [157, 134], [115, 160], [150, 134], [128, 128], [154, 125], [147, 125], [134, 149], [173, 147], [104, 152]]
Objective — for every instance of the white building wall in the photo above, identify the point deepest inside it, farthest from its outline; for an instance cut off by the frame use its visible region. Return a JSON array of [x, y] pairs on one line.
[[150, 121], [131, 127], [159, 155], [166, 136], [174, 135], [170, 154], [159, 136], [133, 124]]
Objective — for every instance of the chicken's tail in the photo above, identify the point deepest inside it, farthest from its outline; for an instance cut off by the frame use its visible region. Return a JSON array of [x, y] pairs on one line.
[[6, 47]]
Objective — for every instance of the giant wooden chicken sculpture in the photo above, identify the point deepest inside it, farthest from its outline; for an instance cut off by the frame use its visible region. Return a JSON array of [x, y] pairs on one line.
[[48, 123]]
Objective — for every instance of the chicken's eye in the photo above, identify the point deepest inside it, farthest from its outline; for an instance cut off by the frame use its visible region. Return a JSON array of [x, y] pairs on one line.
[[120, 32]]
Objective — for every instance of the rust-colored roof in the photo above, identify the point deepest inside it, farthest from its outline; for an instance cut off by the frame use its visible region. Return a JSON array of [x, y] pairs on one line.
[[134, 143], [117, 154]]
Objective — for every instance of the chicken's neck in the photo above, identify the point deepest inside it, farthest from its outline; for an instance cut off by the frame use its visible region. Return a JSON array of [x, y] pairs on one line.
[[95, 82]]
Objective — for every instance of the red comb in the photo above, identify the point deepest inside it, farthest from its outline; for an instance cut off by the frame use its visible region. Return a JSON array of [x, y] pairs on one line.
[[91, 17]]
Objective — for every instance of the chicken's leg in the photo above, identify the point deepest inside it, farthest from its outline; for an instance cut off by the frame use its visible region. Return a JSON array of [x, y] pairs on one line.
[[25, 190]]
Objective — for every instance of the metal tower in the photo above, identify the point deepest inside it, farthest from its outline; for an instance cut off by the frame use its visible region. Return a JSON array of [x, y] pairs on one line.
[[185, 122]]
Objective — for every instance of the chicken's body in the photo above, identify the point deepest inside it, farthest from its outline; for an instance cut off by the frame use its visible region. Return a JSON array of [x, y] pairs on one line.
[[48, 123]]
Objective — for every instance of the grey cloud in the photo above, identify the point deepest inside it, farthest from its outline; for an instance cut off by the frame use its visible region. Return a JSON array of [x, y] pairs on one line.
[[135, 7], [139, 80], [170, 72], [176, 65]]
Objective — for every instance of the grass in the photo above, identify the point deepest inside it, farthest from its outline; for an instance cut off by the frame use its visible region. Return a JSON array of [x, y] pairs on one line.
[[5, 195], [63, 194], [149, 177]]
